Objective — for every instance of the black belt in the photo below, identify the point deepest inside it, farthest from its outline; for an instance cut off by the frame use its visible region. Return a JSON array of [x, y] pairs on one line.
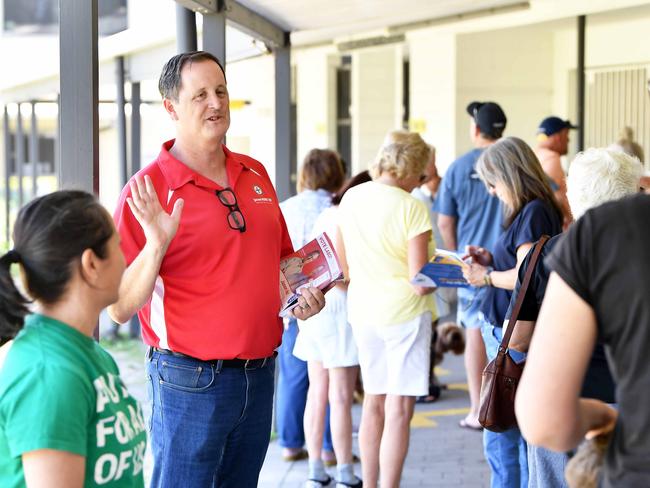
[[226, 363]]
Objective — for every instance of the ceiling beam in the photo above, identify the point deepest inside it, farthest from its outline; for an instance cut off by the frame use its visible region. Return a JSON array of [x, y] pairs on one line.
[[254, 24], [200, 6], [243, 18], [514, 6]]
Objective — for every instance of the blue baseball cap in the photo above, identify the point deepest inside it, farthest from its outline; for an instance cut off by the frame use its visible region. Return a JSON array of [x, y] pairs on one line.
[[552, 125], [489, 117]]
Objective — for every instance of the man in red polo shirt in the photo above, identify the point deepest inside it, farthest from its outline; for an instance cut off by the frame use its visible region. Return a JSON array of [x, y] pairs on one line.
[[203, 234]]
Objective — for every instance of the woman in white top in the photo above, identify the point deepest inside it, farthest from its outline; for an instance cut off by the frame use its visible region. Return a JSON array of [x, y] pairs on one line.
[[326, 343], [384, 240]]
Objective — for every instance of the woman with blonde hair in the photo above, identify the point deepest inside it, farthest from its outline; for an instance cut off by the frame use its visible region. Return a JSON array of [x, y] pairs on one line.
[[384, 239], [512, 172]]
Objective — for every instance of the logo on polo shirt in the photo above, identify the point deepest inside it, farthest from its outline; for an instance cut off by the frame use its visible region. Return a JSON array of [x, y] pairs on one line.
[[257, 189]]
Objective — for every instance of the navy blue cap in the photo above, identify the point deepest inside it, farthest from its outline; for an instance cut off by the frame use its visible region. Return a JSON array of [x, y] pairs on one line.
[[552, 125], [489, 117]]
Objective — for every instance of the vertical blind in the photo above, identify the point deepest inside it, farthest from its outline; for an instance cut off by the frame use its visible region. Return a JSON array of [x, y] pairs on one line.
[[615, 98]]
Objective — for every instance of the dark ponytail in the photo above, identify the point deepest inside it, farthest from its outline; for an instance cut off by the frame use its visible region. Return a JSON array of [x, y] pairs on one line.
[[13, 306], [50, 234]]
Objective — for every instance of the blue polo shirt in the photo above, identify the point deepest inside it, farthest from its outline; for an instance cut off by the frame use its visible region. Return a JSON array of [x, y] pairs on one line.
[[463, 195]]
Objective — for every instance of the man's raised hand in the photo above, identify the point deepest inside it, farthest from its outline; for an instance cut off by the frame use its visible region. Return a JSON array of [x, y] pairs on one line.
[[159, 227]]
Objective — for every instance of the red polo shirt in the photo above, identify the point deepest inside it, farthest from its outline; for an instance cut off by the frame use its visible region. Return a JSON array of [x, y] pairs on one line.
[[217, 292]]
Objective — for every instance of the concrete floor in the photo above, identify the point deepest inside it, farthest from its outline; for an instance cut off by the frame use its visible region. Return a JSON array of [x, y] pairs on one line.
[[441, 453]]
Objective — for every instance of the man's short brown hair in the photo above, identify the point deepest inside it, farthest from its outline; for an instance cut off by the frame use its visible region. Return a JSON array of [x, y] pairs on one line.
[[169, 83], [321, 168]]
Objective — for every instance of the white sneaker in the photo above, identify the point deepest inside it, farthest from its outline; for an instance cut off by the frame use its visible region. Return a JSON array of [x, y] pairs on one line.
[[357, 484], [318, 483]]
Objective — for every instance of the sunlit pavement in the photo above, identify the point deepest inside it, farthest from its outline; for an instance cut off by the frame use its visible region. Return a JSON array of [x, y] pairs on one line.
[[441, 453]]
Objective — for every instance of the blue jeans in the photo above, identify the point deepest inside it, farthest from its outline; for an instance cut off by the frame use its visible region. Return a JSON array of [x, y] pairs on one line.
[[293, 383], [506, 452], [210, 425], [470, 300]]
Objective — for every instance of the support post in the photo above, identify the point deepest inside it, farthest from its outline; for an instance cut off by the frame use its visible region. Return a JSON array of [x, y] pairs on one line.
[[7, 158], [283, 122], [33, 150], [185, 29], [136, 140], [19, 153], [580, 78], [136, 128], [57, 138], [79, 117], [214, 35], [121, 119]]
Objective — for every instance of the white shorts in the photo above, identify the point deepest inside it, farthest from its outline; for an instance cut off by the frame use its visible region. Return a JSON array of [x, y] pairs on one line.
[[394, 359], [327, 337]]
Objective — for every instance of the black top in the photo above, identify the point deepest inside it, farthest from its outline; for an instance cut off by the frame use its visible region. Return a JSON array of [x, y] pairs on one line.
[[532, 222], [605, 259], [598, 381]]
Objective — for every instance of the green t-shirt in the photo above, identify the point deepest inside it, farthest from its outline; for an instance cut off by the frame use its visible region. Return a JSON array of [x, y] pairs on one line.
[[60, 390]]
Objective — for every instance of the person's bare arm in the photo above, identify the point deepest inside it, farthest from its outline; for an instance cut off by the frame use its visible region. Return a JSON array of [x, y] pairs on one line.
[[552, 166], [520, 338], [340, 251], [447, 227], [418, 256], [159, 229], [555, 368], [47, 468], [476, 274]]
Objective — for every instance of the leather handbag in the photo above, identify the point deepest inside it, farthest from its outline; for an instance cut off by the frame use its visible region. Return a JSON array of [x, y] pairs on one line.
[[501, 375]]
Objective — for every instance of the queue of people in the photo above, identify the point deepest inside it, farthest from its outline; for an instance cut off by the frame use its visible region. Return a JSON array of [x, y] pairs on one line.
[[194, 249]]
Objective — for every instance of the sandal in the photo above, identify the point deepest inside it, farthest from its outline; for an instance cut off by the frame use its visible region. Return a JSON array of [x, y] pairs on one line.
[[434, 394], [298, 455], [314, 483], [465, 425]]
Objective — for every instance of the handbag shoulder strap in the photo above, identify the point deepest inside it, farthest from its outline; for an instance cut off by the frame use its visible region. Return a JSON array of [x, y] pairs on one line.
[[522, 291]]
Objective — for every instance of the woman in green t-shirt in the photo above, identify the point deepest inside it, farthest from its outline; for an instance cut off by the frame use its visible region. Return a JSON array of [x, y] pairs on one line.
[[66, 418]]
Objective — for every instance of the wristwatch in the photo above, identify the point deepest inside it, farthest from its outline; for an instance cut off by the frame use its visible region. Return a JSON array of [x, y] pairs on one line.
[[487, 278]]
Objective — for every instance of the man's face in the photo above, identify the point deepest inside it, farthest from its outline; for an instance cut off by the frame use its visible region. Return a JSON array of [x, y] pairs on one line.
[[562, 141], [202, 110]]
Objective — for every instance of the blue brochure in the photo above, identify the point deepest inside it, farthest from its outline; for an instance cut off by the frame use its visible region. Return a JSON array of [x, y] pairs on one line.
[[445, 270]]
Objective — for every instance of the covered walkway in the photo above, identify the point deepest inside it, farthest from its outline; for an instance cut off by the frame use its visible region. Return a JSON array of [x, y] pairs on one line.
[[337, 79]]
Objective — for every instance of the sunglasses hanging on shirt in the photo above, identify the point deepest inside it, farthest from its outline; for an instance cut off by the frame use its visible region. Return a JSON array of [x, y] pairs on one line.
[[235, 218]]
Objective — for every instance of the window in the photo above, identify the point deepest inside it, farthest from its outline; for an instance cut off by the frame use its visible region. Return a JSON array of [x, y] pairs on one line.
[[28, 17]]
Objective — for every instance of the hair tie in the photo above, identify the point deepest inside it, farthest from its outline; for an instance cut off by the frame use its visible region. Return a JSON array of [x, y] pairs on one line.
[[13, 256]]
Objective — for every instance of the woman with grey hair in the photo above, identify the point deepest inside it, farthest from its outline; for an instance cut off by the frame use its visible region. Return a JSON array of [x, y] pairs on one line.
[[512, 172], [595, 176], [384, 239], [597, 291]]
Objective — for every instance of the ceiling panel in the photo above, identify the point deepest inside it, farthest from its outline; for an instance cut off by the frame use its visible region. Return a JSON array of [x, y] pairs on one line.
[[348, 16]]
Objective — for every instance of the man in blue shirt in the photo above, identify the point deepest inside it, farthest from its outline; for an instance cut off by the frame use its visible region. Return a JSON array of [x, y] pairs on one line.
[[468, 214]]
